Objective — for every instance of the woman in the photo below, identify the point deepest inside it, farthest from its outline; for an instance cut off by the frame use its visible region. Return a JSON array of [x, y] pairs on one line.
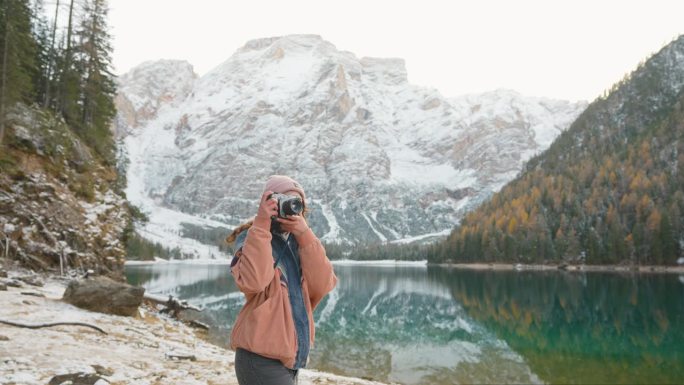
[[282, 269]]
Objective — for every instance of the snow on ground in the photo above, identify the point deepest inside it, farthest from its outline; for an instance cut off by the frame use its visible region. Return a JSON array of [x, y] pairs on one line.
[[198, 261], [408, 166], [164, 225], [379, 234], [334, 233], [135, 351], [442, 233]]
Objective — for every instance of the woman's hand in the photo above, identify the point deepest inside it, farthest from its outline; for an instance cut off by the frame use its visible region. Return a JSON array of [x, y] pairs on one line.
[[294, 224], [268, 207]]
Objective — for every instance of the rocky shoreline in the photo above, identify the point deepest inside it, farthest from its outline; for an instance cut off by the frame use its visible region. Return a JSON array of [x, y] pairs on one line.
[[147, 349]]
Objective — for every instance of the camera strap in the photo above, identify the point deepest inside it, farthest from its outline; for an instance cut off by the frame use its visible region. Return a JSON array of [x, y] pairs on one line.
[[280, 255]]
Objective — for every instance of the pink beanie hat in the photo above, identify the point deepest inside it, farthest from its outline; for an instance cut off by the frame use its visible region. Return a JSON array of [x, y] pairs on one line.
[[282, 184]]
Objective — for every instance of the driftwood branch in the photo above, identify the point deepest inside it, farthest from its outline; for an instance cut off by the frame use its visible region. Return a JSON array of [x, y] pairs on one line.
[[6, 250], [172, 356], [51, 324], [173, 305], [52, 238], [6, 245], [198, 324]]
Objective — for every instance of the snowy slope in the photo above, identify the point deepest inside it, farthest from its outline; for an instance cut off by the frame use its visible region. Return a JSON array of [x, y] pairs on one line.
[[381, 159]]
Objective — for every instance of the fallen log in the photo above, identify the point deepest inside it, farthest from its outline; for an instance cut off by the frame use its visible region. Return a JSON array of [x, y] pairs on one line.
[[173, 305], [38, 326]]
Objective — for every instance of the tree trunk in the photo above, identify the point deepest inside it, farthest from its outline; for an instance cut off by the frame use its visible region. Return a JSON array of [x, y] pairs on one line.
[[4, 77], [51, 54], [89, 89], [67, 62]]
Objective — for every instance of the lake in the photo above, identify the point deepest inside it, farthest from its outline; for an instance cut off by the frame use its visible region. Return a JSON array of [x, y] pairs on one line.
[[437, 325]]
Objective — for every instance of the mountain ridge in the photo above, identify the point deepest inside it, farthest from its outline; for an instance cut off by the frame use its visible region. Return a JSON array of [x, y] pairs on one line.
[[365, 143]]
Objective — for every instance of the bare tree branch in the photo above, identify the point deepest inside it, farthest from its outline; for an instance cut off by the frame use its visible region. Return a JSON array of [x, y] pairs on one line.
[[17, 324]]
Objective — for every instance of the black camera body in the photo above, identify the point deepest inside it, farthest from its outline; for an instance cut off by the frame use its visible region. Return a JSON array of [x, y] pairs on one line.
[[288, 205]]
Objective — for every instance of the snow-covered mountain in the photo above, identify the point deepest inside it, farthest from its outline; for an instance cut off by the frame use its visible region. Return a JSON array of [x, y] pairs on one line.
[[381, 159]]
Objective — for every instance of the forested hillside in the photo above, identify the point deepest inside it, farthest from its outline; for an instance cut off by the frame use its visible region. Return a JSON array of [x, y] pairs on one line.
[[61, 201], [608, 190], [64, 70]]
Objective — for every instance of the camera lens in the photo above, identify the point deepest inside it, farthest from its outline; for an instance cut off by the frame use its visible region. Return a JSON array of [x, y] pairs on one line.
[[293, 206]]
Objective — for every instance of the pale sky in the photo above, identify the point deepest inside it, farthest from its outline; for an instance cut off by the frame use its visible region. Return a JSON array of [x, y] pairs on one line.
[[570, 49]]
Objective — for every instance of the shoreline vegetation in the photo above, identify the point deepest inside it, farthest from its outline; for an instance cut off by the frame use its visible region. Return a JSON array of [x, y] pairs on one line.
[[472, 266], [575, 268], [380, 262], [148, 349]]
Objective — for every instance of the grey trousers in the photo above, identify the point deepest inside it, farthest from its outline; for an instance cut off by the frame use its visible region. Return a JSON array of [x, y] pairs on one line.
[[253, 369]]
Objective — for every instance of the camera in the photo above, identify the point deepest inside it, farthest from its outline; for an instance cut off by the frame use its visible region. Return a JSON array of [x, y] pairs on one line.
[[288, 205]]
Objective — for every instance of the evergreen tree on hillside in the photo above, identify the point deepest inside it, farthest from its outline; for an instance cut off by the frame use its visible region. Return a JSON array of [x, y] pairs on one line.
[[17, 56], [98, 88], [41, 33], [68, 74], [49, 74], [74, 79]]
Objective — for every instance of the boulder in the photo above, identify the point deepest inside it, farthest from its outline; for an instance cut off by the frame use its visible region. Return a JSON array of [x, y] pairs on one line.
[[12, 283], [32, 280], [104, 295]]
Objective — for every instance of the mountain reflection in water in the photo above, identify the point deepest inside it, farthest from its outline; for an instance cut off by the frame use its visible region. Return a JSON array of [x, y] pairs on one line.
[[434, 325]]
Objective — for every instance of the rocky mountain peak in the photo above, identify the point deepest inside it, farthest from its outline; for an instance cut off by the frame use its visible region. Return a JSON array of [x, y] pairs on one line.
[[147, 86], [391, 71], [381, 159], [297, 41]]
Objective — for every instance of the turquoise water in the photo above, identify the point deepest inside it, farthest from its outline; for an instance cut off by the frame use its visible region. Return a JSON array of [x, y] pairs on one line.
[[435, 325]]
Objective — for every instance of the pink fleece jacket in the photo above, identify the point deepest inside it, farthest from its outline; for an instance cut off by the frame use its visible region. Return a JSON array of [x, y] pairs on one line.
[[264, 325]]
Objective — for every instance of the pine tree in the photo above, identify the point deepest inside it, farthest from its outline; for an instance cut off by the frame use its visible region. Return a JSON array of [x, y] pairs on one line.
[[41, 38], [98, 84], [17, 55], [68, 74], [667, 240], [49, 75]]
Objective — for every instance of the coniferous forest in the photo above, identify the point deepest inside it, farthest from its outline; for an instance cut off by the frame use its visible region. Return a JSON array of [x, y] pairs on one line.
[[62, 65], [609, 190], [57, 94]]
